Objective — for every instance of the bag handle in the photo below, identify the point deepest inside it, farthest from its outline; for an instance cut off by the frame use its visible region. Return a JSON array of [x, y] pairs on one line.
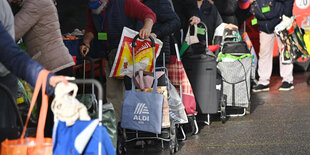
[[188, 36], [134, 45], [227, 34], [41, 82]]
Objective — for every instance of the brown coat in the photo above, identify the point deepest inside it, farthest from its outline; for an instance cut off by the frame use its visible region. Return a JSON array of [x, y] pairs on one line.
[[37, 22]]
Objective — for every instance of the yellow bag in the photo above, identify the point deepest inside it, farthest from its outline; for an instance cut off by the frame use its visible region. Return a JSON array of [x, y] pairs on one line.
[[38, 145]]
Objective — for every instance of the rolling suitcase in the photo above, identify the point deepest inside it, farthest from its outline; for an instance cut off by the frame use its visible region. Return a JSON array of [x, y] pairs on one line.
[[201, 70], [235, 65]]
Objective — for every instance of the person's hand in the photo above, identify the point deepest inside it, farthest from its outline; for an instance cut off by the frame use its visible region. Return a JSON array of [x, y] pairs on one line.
[[56, 79], [144, 33], [194, 20], [230, 26], [84, 49], [146, 29], [154, 35]]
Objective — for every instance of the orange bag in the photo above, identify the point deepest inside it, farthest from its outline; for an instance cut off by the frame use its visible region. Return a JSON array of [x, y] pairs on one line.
[[38, 145]]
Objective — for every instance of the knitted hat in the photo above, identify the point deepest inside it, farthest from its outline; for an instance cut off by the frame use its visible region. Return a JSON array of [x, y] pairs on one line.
[[244, 4]]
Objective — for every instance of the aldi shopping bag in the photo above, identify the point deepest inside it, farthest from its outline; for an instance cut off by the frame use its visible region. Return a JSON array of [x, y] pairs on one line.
[[144, 81], [143, 56], [38, 145], [142, 110]]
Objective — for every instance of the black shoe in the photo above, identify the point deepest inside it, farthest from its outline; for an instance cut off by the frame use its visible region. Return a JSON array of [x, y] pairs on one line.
[[260, 88], [286, 86]]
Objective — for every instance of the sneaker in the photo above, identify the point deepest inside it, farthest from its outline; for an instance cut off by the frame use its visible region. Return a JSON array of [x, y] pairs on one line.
[[286, 86], [260, 88]]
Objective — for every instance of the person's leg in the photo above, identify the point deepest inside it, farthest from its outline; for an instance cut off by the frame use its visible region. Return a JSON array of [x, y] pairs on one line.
[[286, 72], [115, 88], [265, 61], [265, 57]]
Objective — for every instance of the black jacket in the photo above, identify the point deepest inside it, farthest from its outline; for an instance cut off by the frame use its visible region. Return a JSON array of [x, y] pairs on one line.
[[185, 9], [268, 20], [227, 9], [209, 15], [167, 23]]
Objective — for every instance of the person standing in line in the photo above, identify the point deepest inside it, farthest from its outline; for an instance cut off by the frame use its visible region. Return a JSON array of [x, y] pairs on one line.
[[15, 62], [209, 15], [267, 15], [105, 22], [37, 24], [167, 23], [188, 13]]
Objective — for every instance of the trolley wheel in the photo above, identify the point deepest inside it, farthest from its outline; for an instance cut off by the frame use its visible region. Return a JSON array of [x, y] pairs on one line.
[[171, 147], [173, 143], [176, 146], [196, 126], [223, 109], [121, 144], [248, 110]]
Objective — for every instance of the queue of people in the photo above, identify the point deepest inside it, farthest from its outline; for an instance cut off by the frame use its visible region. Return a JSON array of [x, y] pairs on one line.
[[37, 24]]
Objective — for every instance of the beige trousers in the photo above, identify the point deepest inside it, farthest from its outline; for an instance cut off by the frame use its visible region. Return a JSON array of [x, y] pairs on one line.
[[266, 57]]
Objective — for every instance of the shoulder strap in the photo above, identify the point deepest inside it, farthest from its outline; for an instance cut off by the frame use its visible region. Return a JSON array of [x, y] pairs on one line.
[[41, 82]]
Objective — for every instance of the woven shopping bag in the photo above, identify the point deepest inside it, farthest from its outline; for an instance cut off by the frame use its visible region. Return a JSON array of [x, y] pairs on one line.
[[35, 145]]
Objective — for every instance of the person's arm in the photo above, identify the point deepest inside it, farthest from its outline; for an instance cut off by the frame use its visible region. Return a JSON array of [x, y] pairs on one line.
[[20, 64], [192, 11], [135, 9], [167, 19], [288, 5], [89, 35], [190, 7], [27, 17], [218, 17]]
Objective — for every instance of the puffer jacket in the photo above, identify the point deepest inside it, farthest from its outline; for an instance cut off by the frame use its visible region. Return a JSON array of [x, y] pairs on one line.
[[18, 62], [227, 10], [209, 15], [185, 9], [37, 22]]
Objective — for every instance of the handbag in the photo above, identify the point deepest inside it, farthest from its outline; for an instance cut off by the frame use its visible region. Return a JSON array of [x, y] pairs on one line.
[[142, 110], [38, 145], [233, 44]]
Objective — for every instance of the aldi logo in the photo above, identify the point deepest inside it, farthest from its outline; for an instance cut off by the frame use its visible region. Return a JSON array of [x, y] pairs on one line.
[[141, 113]]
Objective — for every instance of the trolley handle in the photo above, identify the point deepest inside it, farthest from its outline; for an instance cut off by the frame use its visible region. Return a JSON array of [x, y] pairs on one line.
[[133, 44], [133, 57], [227, 34]]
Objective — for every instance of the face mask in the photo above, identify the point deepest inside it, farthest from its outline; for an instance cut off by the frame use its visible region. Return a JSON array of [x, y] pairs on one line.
[[94, 4]]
